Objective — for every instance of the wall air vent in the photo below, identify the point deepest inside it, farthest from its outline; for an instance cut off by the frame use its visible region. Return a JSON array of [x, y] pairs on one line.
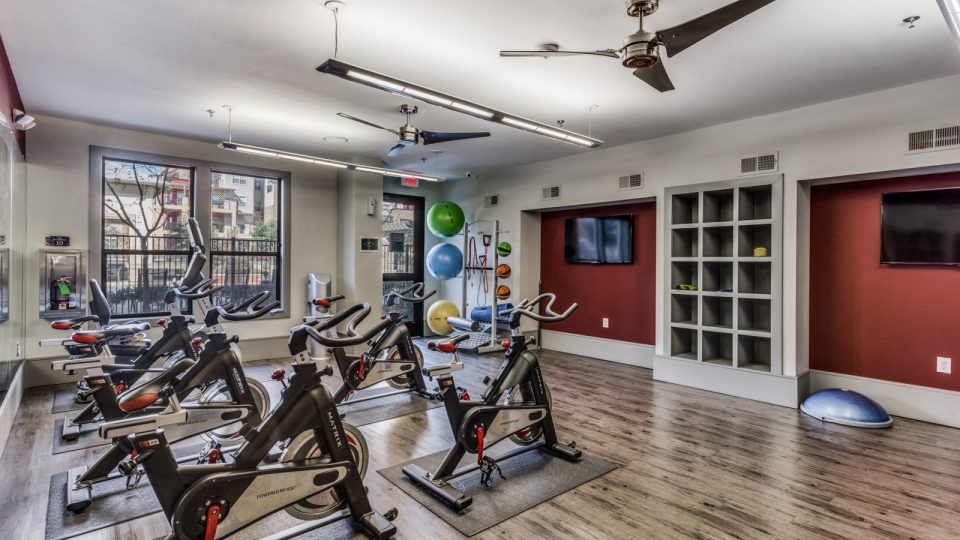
[[633, 181], [491, 200], [552, 192], [760, 164], [945, 138]]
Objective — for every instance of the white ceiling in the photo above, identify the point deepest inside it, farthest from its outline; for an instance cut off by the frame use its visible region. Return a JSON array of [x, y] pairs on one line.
[[157, 65]]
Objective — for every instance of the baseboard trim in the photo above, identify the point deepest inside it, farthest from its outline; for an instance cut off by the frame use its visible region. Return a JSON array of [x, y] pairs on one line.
[[932, 405], [612, 350], [10, 406], [776, 389]]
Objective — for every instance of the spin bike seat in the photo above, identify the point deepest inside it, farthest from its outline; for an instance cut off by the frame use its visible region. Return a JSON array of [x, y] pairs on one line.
[[104, 334], [146, 393]]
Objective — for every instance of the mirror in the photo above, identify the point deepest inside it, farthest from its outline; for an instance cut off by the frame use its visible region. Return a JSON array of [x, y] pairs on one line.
[[12, 239]]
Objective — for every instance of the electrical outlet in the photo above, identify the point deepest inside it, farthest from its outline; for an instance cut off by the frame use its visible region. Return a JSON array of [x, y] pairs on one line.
[[943, 364], [606, 322]]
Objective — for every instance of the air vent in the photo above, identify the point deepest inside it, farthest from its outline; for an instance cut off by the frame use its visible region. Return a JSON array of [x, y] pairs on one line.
[[633, 181], [491, 200], [552, 192], [945, 138], [763, 163]]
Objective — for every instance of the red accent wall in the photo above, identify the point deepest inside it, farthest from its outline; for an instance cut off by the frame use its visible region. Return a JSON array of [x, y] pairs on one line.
[[10, 96], [873, 320], [626, 294]]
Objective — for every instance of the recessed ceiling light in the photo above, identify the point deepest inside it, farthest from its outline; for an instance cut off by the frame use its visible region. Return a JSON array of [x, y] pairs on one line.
[[404, 88], [335, 139]]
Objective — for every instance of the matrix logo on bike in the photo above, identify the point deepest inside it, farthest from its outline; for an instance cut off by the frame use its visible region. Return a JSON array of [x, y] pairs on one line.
[[241, 383], [333, 428]]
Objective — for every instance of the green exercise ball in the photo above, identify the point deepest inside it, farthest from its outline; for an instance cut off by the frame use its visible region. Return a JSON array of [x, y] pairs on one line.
[[437, 316], [504, 249], [445, 219]]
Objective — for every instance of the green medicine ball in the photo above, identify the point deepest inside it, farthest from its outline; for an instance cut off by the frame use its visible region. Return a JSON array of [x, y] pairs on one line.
[[504, 249], [445, 219]]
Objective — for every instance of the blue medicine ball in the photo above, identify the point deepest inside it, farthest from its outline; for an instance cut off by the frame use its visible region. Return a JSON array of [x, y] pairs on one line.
[[445, 261]]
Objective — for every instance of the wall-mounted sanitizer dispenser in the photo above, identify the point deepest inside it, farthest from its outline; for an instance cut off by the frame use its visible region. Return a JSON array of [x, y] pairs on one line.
[[62, 284], [318, 286]]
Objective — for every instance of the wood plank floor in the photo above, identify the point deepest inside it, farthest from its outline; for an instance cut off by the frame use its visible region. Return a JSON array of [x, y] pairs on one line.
[[693, 465]]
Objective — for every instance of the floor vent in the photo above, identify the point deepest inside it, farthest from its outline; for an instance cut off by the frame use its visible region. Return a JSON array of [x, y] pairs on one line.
[[763, 163], [633, 181], [491, 200], [945, 138], [552, 192]]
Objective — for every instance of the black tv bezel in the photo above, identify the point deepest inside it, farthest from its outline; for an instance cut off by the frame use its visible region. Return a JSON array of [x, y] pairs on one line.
[[632, 221], [883, 209]]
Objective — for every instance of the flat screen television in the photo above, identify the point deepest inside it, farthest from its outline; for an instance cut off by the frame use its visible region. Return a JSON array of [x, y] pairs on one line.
[[920, 227], [598, 240]]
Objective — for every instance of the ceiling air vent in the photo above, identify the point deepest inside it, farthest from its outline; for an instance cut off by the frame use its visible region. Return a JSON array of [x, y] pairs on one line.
[[552, 192], [491, 200], [633, 181], [945, 138], [763, 163]]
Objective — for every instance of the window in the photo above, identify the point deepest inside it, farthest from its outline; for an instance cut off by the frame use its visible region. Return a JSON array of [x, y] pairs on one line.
[[145, 242], [245, 254]]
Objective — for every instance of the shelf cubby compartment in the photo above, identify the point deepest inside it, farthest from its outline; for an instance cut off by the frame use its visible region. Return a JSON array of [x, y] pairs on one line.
[[685, 243], [717, 276], [754, 278], [718, 206], [686, 208], [754, 236], [718, 241], [753, 353], [683, 309], [685, 273], [717, 312], [753, 315], [756, 203], [717, 348], [683, 343]]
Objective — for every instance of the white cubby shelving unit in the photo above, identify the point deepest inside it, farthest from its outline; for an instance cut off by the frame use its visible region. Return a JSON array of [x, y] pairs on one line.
[[732, 319]]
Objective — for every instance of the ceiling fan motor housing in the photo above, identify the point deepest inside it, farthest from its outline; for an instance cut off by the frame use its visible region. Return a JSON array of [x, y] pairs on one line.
[[637, 8], [408, 135], [640, 50]]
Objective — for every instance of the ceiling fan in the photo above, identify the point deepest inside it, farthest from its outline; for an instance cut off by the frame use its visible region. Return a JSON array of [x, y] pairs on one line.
[[641, 50], [407, 135]]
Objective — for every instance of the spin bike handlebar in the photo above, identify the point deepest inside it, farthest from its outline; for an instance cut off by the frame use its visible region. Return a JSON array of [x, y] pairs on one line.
[[526, 308], [203, 289], [354, 314], [257, 309], [256, 301], [413, 293]]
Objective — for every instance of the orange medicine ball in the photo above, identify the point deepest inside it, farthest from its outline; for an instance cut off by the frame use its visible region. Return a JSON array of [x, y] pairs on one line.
[[503, 292], [504, 271]]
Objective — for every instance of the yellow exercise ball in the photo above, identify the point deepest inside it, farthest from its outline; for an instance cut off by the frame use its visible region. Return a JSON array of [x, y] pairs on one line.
[[437, 316]]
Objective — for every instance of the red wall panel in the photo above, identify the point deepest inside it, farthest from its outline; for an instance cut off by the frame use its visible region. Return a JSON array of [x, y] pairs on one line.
[[873, 320], [625, 294], [9, 95]]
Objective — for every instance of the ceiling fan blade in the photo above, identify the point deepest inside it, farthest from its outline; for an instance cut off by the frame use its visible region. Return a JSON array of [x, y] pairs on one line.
[[656, 76], [680, 37], [395, 151], [513, 54], [433, 137], [371, 124]]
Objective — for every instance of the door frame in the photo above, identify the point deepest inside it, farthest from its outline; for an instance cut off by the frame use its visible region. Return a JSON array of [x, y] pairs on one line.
[[419, 217]]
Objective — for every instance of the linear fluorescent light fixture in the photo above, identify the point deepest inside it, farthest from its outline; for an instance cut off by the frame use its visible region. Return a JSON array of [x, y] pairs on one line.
[[403, 88], [951, 11], [280, 154]]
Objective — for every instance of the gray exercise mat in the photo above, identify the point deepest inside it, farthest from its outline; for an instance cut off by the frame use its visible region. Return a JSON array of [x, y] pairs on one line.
[[531, 478], [112, 503], [64, 400], [380, 409], [89, 438]]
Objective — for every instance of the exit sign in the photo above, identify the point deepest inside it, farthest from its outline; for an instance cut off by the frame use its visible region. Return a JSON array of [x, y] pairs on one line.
[[410, 182]]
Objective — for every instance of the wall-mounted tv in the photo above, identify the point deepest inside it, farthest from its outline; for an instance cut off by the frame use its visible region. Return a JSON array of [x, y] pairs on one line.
[[920, 227], [598, 240]]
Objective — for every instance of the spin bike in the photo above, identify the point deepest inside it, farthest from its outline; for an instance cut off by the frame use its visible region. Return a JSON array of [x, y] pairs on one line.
[[391, 357], [516, 404], [319, 476], [228, 407]]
